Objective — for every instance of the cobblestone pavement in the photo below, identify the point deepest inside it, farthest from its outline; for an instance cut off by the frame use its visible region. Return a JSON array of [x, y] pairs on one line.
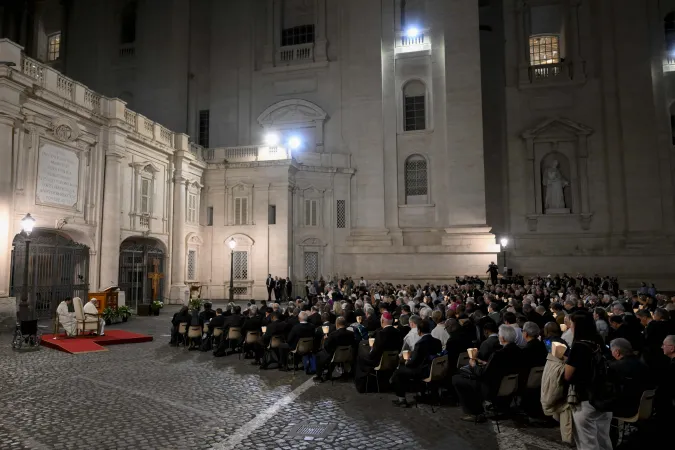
[[152, 396]]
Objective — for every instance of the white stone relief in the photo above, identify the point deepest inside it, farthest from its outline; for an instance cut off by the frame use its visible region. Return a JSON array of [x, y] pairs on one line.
[[555, 183], [58, 176]]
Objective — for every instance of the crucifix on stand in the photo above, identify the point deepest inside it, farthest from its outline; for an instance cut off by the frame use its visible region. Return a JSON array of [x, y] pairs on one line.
[[155, 277]]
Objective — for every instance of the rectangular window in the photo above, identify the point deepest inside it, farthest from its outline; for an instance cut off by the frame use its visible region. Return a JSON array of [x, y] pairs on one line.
[[312, 265], [204, 128], [303, 34], [146, 195], [209, 216], [54, 46], [192, 265], [240, 261], [341, 214], [311, 210], [272, 214], [240, 211], [191, 208], [544, 50], [415, 117]]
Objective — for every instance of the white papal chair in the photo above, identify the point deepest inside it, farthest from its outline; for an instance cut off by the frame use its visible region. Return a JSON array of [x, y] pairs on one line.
[[84, 324]]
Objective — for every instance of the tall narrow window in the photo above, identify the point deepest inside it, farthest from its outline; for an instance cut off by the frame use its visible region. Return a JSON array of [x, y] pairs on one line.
[[544, 50], [128, 23], [312, 265], [146, 196], [209, 216], [192, 208], [240, 211], [341, 214], [416, 180], [272, 214], [240, 268], [192, 265], [311, 211], [414, 108], [204, 128], [54, 46]]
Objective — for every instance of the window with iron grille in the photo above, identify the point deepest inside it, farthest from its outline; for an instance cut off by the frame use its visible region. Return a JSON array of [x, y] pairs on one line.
[[192, 208], [341, 214], [544, 50], [209, 216], [192, 265], [312, 265], [240, 211], [146, 195], [303, 34], [240, 261], [416, 176], [54, 46], [414, 106], [311, 211], [204, 128]]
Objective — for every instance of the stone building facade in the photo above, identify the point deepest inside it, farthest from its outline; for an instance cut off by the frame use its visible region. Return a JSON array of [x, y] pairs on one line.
[[392, 139]]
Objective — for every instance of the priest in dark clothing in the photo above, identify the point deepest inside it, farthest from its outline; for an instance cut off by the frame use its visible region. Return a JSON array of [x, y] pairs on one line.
[[418, 366], [276, 327], [182, 316], [457, 343], [341, 337], [236, 320], [631, 375], [534, 354], [302, 330], [386, 339], [491, 343]]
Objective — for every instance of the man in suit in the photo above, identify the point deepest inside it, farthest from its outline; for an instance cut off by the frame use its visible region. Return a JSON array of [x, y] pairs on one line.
[[371, 323], [276, 327], [314, 317], [630, 374], [216, 322], [236, 320], [485, 379], [417, 367], [341, 337], [302, 330], [534, 354], [404, 325], [289, 288], [252, 323], [270, 286], [386, 339], [491, 343]]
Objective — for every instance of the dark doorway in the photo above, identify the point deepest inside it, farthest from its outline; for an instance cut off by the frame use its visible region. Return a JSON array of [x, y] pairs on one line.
[[139, 260]]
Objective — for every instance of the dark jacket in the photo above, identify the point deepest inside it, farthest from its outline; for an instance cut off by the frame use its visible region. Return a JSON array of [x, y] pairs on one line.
[[420, 359], [488, 347], [505, 361], [386, 339], [404, 330], [235, 320], [207, 315], [457, 344], [251, 324], [372, 323], [633, 377], [290, 323], [339, 338], [217, 322], [315, 319], [178, 319], [301, 330], [275, 328], [534, 354]]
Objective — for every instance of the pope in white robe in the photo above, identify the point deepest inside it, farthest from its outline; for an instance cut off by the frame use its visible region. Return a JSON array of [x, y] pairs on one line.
[[91, 313], [66, 317]]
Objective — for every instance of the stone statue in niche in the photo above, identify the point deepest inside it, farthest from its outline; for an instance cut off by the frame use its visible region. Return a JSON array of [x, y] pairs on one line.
[[555, 184]]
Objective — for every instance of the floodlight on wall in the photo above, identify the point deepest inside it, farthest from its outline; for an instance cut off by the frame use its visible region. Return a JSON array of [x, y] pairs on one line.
[[272, 139], [412, 32], [294, 142]]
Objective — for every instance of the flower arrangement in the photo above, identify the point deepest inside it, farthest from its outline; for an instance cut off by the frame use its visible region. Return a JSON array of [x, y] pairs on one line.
[[124, 312], [156, 305], [195, 303]]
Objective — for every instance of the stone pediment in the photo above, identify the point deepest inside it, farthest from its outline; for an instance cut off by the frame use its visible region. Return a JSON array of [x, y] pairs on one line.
[[290, 112], [556, 127]]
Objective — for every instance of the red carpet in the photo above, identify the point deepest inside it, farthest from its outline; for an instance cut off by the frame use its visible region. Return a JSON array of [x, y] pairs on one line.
[[88, 344]]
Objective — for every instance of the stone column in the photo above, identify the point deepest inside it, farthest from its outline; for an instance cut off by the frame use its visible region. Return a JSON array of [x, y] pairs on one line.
[[178, 286], [7, 147], [112, 218]]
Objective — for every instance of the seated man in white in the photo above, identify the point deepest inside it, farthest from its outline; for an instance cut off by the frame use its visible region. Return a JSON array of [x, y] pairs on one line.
[[66, 313], [91, 312]]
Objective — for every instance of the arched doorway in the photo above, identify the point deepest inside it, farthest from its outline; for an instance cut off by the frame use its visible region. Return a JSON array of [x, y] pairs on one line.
[[58, 268], [140, 258]]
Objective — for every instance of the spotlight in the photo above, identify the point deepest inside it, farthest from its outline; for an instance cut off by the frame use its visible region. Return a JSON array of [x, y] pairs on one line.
[[412, 32], [294, 142], [504, 241], [272, 139]]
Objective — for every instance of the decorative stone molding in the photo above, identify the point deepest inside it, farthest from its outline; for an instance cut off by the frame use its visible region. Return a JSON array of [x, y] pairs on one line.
[[295, 113], [65, 129]]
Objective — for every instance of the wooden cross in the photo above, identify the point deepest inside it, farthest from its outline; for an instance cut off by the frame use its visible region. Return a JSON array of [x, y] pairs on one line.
[[155, 277]]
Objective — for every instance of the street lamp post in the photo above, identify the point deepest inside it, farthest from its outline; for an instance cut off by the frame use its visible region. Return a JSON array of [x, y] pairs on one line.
[[232, 245], [504, 242], [27, 224]]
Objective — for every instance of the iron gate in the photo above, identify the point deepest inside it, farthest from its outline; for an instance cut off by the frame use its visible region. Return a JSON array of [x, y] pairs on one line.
[[58, 268], [137, 262]]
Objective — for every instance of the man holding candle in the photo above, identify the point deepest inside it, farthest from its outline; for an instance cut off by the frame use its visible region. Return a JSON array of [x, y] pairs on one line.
[[341, 337]]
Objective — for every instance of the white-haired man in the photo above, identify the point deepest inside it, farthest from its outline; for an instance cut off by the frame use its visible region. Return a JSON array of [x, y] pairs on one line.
[[486, 378], [301, 330], [91, 313]]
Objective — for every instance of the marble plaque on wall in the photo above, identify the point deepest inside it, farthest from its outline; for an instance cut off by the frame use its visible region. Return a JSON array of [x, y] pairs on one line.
[[58, 176]]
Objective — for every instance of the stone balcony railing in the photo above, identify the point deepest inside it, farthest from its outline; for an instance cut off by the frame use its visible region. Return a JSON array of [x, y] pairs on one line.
[[669, 63], [84, 99], [245, 154], [296, 54], [550, 72], [405, 44]]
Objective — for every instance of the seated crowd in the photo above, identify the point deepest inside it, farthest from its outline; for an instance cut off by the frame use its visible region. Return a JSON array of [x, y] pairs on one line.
[[577, 349]]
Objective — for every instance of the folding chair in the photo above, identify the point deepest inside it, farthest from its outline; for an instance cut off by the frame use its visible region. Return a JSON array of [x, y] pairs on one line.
[[233, 335], [507, 389], [251, 338], [182, 333], [463, 359], [342, 356], [439, 372], [644, 412], [305, 347], [194, 332], [388, 363], [534, 378]]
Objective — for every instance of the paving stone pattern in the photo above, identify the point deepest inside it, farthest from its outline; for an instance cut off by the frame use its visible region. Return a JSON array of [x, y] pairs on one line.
[[152, 396]]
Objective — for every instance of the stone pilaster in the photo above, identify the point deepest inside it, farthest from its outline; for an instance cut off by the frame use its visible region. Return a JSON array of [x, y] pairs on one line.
[[178, 286], [7, 148], [112, 218]]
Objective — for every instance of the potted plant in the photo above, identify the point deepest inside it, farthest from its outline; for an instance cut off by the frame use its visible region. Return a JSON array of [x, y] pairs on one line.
[[109, 315], [124, 312], [195, 304], [156, 305]]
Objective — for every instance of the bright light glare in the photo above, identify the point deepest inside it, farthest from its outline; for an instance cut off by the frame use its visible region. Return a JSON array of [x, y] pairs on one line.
[[294, 142], [412, 32], [504, 241], [232, 244], [272, 139], [27, 224]]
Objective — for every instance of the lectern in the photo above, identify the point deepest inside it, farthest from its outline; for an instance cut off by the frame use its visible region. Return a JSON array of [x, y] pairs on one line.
[[106, 299]]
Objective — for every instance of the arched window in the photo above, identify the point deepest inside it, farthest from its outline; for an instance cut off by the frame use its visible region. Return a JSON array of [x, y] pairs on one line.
[[414, 106], [669, 32], [416, 180], [128, 23]]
